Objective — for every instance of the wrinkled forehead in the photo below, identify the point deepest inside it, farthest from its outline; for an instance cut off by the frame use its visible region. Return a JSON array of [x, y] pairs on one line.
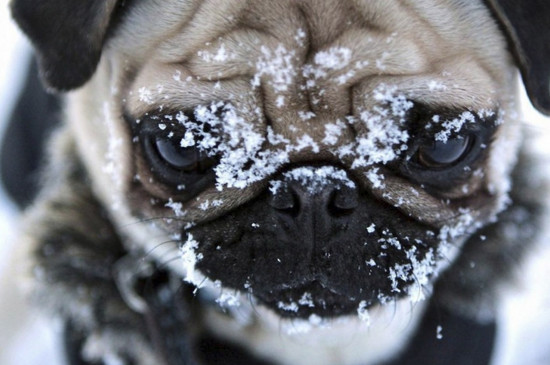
[[313, 23], [309, 53]]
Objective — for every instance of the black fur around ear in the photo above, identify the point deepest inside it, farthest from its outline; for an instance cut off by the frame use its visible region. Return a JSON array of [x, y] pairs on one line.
[[68, 36], [527, 25]]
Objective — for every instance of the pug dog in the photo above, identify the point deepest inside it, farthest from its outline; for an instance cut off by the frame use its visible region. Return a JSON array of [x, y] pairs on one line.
[[284, 182]]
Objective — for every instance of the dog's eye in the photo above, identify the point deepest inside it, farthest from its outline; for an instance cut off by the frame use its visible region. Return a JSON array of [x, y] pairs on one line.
[[186, 170], [185, 159], [440, 154]]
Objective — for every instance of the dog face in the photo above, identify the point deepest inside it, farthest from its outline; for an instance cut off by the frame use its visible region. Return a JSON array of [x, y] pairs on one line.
[[299, 155], [324, 158]]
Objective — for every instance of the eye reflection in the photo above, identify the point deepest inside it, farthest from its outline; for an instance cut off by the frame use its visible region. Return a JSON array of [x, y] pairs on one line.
[[440, 154], [185, 159]]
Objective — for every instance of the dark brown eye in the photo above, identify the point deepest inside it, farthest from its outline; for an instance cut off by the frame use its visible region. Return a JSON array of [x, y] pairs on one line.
[[438, 154], [185, 159], [186, 170]]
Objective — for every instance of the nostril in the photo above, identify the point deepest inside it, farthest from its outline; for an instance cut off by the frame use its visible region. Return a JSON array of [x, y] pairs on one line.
[[343, 201], [286, 201], [322, 197]]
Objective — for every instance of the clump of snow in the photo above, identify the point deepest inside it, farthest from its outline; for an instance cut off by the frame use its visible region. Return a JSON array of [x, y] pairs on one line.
[[305, 141], [454, 126], [177, 207], [145, 95], [462, 225], [306, 300], [375, 178], [314, 178], [486, 114], [207, 204], [333, 131], [439, 333], [335, 58], [189, 259], [371, 228], [436, 86], [219, 130], [386, 136], [305, 116], [227, 299], [363, 313], [387, 237], [221, 55], [289, 307], [300, 37], [414, 278], [421, 270], [398, 272], [335, 62], [277, 68]]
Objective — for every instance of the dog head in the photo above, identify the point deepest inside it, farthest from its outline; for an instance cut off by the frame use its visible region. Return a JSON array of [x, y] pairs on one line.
[[324, 157]]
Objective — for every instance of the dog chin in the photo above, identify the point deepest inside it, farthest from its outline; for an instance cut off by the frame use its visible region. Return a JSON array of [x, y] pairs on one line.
[[240, 318], [310, 305], [283, 333]]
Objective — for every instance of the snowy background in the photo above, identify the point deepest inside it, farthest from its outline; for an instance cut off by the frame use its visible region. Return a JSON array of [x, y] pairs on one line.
[[25, 339], [12, 55]]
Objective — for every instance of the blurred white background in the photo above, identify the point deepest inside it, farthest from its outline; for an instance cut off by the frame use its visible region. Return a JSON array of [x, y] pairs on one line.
[[25, 337], [13, 52], [26, 340]]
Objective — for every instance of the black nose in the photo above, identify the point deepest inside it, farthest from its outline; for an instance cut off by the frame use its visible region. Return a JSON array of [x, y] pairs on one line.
[[312, 217], [298, 199]]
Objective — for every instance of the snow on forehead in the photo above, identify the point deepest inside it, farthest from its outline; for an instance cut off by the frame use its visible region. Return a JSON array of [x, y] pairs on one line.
[[248, 154], [278, 65], [386, 135], [335, 58]]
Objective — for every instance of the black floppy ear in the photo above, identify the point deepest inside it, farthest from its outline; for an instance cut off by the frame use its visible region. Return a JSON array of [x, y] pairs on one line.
[[68, 36], [527, 25]]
